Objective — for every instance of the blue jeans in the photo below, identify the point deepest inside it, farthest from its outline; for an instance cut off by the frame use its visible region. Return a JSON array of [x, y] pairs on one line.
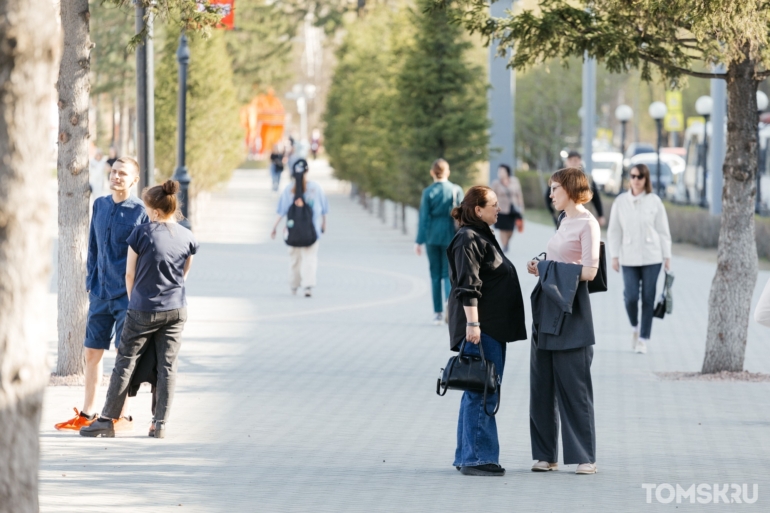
[[275, 174], [439, 271], [477, 442], [647, 276]]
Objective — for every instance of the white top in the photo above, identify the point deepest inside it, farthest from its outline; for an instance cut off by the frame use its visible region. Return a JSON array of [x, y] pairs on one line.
[[762, 312], [638, 233]]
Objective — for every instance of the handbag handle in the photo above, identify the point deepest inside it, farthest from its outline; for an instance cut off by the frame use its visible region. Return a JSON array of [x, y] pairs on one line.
[[441, 392]]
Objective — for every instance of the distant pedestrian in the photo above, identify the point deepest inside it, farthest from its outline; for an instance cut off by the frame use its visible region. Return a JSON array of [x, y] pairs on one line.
[[574, 160], [277, 158], [159, 260], [436, 229], [508, 190], [562, 345], [114, 218], [762, 312], [97, 174], [112, 157], [485, 307], [640, 241], [315, 143], [303, 261]]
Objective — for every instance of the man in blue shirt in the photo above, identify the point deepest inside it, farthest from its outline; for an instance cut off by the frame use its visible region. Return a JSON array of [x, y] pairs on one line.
[[114, 218]]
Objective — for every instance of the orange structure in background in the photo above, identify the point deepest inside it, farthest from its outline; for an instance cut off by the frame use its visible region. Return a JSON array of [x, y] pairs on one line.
[[263, 121]]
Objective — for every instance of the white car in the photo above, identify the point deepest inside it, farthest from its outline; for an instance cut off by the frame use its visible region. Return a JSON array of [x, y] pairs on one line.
[[607, 171]]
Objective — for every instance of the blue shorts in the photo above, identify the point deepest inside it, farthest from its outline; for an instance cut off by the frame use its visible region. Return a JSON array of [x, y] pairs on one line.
[[105, 321]]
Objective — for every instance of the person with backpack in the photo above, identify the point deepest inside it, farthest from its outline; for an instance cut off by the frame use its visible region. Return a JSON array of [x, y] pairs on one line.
[[436, 229], [305, 207]]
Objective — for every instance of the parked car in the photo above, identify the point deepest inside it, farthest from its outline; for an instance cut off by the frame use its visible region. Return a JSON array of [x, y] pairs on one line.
[[607, 171], [671, 169], [636, 149]]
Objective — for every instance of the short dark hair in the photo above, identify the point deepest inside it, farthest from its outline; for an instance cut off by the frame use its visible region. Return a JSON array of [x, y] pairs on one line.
[[477, 196], [575, 182], [645, 172], [506, 167], [574, 154]]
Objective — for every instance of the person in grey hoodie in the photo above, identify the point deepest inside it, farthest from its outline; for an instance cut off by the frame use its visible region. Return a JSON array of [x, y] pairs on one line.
[[436, 230]]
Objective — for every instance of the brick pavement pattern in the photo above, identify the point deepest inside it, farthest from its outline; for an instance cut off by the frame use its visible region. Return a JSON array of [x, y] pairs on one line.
[[288, 404]]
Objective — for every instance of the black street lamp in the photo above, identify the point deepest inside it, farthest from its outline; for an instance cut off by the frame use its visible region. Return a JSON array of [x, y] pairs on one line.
[[657, 112], [623, 114], [761, 107], [703, 106], [180, 174]]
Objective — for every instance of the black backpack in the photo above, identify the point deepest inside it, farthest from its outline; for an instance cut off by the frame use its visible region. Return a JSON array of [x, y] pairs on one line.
[[300, 231]]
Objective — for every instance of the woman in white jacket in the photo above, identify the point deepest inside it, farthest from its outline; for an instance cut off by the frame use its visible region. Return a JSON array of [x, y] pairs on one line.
[[640, 242]]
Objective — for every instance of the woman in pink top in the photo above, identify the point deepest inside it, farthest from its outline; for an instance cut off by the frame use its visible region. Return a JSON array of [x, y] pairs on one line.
[[561, 378]]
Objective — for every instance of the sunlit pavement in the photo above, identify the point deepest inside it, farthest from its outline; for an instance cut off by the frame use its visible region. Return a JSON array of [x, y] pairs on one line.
[[328, 404]]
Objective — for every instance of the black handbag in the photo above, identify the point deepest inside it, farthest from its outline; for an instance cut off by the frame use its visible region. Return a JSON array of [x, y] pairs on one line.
[[472, 373], [665, 305], [599, 283], [300, 230]]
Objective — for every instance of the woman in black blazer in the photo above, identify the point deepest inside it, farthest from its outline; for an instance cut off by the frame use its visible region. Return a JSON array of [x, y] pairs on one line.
[[485, 307]]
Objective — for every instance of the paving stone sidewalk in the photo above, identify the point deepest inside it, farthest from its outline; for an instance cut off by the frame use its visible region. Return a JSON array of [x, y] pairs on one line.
[[328, 404]]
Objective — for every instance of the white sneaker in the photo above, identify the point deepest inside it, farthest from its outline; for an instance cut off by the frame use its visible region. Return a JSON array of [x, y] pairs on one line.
[[586, 468], [544, 466], [438, 319], [641, 347]]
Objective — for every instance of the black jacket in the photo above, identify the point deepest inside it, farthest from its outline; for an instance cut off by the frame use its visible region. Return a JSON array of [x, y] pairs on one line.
[[561, 308], [482, 276]]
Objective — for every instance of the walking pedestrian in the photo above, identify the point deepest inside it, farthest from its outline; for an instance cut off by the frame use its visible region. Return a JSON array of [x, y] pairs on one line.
[[277, 158], [562, 345], [485, 308], [436, 229], [96, 173], [574, 160], [303, 261], [159, 259], [113, 219], [508, 190], [640, 241]]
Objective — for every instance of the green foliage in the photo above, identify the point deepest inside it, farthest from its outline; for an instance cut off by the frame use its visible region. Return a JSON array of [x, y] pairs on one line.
[[404, 94], [112, 65], [214, 137]]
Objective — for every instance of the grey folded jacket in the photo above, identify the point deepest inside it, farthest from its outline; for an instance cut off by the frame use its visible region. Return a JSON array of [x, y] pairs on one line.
[[559, 283]]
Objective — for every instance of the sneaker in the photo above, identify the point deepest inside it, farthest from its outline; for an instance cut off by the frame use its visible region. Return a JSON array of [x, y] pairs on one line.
[[124, 424], [490, 469], [157, 430], [641, 347], [80, 420], [544, 466], [438, 319], [308, 292], [586, 468], [99, 427]]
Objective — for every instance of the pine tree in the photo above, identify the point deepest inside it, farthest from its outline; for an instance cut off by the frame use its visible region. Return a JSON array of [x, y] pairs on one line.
[[442, 103], [214, 136]]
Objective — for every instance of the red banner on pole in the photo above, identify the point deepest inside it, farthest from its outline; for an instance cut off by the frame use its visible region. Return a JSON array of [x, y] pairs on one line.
[[227, 9]]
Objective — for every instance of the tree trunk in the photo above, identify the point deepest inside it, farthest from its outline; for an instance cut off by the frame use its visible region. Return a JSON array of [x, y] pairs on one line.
[[28, 56], [74, 192], [736, 276]]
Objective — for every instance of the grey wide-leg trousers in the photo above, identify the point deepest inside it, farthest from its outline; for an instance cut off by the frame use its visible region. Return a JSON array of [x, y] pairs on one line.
[[560, 386]]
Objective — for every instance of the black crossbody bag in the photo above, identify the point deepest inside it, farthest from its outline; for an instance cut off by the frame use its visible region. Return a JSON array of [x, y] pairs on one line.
[[599, 283], [473, 373]]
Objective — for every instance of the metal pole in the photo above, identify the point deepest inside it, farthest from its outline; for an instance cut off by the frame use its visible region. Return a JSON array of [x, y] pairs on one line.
[[589, 112], [623, 153], [659, 125], [180, 174], [501, 132], [145, 99], [703, 200], [718, 116]]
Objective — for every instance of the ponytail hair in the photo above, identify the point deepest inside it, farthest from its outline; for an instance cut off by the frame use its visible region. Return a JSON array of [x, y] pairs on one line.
[[465, 214], [163, 197]]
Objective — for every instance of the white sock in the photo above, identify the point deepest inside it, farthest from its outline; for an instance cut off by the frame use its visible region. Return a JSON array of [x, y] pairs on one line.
[[644, 339], [636, 329]]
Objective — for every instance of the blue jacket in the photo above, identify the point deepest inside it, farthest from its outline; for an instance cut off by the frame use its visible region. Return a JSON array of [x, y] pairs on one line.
[[436, 225], [111, 224]]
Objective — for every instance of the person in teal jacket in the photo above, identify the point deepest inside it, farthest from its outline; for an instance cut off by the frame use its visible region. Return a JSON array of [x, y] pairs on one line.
[[436, 230]]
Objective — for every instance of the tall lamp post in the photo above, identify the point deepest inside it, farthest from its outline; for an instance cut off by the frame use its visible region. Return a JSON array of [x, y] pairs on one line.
[[623, 114], [657, 112], [761, 107], [703, 106], [180, 174]]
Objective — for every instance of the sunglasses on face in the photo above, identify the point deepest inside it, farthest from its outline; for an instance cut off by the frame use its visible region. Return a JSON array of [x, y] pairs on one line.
[[636, 177]]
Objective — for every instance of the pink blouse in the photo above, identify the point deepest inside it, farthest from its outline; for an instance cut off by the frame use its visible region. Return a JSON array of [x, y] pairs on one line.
[[576, 241]]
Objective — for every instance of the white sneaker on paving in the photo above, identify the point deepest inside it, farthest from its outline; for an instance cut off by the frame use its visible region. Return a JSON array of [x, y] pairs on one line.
[[438, 319], [544, 466], [640, 348]]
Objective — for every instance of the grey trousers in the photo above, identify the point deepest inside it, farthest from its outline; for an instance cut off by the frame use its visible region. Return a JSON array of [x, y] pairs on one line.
[[140, 327], [560, 386]]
